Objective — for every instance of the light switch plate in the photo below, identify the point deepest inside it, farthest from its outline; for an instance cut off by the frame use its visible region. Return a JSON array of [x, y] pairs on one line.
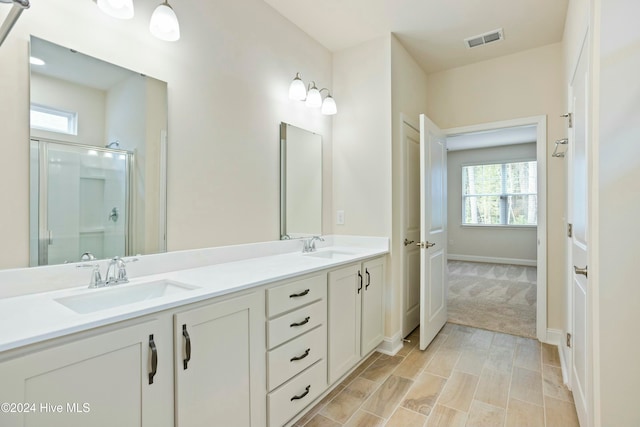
[[340, 217]]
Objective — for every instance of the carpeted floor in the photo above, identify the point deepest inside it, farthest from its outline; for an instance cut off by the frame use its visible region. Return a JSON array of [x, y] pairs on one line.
[[496, 297]]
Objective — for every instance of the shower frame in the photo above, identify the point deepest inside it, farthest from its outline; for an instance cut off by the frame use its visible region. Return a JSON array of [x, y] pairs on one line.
[[44, 234]]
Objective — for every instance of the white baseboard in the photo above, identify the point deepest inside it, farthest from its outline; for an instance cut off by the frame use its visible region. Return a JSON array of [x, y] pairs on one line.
[[493, 260], [391, 345], [554, 337]]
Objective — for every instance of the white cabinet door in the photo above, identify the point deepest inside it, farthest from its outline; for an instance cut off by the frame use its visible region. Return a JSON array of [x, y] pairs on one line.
[[103, 380], [220, 364], [372, 305], [344, 305]]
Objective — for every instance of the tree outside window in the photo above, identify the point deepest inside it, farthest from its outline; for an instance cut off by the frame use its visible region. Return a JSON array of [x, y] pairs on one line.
[[500, 194]]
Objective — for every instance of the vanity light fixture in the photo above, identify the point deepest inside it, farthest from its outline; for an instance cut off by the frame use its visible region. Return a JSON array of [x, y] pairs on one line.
[[121, 9], [163, 24], [311, 96], [329, 107], [297, 89], [314, 99]]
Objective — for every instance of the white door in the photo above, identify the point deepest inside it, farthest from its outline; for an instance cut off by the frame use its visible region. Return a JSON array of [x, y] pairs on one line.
[[411, 229], [433, 231], [577, 210]]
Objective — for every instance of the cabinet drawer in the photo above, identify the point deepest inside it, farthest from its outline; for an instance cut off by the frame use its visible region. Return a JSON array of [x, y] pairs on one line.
[[296, 323], [296, 294], [295, 356], [295, 395]]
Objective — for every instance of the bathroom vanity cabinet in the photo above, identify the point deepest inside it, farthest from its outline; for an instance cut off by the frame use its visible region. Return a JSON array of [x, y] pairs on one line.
[[253, 358], [219, 363], [356, 314], [107, 376]]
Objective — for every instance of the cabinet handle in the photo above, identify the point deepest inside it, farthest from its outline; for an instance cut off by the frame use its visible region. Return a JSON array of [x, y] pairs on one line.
[[306, 353], [304, 322], [360, 276], [301, 294], [368, 279], [154, 359], [300, 396], [186, 336]]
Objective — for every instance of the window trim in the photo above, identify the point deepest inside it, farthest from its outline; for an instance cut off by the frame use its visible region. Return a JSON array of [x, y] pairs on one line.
[[500, 195], [71, 116]]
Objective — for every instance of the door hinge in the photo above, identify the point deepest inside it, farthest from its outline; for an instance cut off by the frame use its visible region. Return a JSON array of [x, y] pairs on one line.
[[568, 340], [570, 230], [570, 117]]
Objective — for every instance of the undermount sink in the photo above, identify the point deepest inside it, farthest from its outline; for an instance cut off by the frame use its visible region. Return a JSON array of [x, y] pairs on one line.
[[102, 299], [330, 254]]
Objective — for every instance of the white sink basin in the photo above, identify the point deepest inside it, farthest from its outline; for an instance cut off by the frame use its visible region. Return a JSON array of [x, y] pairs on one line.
[[331, 254], [104, 298]]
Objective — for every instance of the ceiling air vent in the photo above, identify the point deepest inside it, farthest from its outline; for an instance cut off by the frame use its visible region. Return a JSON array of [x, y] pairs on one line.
[[486, 38]]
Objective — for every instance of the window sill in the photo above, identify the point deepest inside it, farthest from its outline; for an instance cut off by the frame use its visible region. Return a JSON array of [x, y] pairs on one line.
[[500, 226]]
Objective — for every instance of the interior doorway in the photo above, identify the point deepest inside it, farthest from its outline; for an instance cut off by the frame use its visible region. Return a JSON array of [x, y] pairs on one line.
[[408, 257]]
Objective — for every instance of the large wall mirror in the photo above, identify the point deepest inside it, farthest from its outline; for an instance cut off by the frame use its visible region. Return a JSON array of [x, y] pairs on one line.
[[301, 182], [98, 158]]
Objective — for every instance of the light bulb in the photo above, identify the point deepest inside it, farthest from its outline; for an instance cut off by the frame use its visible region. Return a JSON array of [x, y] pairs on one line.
[[297, 90], [314, 99], [164, 23], [329, 107], [121, 9]]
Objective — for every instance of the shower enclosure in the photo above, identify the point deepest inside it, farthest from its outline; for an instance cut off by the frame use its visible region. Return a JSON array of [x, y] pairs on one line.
[[80, 201]]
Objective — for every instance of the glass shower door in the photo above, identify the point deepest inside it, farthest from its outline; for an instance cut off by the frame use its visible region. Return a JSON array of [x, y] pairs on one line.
[[83, 202]]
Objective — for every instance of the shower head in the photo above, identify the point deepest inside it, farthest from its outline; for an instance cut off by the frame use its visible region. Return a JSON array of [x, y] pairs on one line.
[[113, 144]]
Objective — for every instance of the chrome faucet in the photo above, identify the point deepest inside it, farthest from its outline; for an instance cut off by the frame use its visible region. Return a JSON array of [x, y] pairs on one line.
[[114, 278], [116, 273], [309, 245]]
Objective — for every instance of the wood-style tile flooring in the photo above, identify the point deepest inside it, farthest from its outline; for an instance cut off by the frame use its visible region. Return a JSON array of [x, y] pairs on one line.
[[466, 377]]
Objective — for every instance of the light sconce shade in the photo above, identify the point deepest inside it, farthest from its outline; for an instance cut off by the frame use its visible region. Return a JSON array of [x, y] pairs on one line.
[[164, 23], [312, 96], [121, 9], [314, 99], [297, 90], [329, 107]]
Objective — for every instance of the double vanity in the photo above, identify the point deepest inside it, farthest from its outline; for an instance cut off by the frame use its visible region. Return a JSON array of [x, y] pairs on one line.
[[249, 335]]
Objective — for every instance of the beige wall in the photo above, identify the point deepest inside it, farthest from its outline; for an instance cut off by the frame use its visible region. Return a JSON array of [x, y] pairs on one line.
[[361, 139], [524, 84], [497, 244], [228, 80], [616, 179]]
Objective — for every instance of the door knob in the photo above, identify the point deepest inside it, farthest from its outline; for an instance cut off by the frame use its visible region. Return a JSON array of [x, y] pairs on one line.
[[408, 242], [426, 244], [582, 271]]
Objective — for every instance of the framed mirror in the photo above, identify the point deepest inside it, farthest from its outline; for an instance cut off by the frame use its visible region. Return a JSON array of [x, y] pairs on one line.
[[300, 182], [97, 158]]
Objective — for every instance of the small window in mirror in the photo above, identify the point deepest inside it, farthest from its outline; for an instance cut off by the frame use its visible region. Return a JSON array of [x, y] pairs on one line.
[[54, 120]]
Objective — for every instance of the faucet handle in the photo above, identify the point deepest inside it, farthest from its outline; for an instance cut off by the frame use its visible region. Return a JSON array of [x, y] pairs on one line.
[[96, 278]]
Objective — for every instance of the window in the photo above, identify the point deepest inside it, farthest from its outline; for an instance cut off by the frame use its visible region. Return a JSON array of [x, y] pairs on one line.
[[500, 194], [54, 120]]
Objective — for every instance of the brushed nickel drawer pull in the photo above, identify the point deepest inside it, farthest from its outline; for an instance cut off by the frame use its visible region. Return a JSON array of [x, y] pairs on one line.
[[154, 359], [304, 322], [301, 294], [306, 391], [306, 353]]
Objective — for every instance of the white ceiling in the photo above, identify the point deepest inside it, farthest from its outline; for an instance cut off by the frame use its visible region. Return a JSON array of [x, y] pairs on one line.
[[492, 138], [431, 30], [65, 64]]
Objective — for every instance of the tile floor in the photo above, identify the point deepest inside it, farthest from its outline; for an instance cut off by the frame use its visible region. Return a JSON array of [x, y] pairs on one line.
[[466, 377]]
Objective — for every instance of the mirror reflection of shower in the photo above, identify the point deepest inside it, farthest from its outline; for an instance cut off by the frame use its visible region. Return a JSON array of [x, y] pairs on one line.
[[84, 200]]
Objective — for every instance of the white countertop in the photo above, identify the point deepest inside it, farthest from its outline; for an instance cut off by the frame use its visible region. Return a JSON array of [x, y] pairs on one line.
[[33, 318]]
